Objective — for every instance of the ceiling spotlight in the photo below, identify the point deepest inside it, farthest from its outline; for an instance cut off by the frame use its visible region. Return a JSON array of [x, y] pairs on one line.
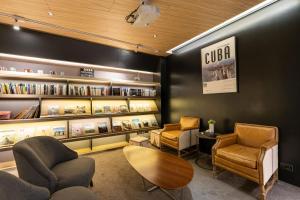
[[16, 25], [50, 13], [155, 36]]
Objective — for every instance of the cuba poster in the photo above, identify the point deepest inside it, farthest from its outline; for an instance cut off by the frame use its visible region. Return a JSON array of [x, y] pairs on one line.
[[219, 67]]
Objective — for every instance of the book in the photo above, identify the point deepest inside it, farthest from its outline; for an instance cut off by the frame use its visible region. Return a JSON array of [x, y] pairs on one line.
[[102, 127], [123, 108], [136, 123], [80, 109], [89, 128], [7, 137], [98, 109], [154, 123], [146, 123], [58, 131], [117, 126], [126, 125], [53, 110], [69, 110], [76, 130]]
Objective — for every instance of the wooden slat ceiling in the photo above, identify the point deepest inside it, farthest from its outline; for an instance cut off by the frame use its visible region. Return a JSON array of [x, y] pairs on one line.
[[180, 20]]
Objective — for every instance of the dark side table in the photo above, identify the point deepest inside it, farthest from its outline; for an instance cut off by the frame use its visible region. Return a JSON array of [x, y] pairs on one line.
[[204, 160]]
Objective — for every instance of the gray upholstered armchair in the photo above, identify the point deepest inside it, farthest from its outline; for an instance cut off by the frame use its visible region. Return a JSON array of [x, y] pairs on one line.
[[46, 162], [13, 188]]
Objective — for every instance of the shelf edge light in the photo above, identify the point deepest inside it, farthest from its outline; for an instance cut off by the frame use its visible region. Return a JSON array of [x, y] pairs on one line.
[[70, 63], [226, 23]]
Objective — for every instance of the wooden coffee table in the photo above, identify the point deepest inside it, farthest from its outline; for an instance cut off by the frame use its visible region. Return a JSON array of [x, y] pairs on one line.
[[161, 169]]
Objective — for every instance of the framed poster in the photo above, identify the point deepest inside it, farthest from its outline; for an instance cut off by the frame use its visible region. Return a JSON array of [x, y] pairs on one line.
[[219, 67]]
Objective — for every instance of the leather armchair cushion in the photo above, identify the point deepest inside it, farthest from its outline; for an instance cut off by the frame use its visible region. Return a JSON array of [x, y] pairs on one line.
[[188, 123], [77, 172], [170, 143], [254, 135], [239, 154], [171, 135]]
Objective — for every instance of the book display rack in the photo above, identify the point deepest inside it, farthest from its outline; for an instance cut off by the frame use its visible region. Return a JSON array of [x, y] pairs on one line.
[[75, 108]]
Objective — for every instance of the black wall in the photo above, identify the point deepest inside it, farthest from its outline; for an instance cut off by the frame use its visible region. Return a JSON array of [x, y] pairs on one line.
[[38, 44], [268, 53]]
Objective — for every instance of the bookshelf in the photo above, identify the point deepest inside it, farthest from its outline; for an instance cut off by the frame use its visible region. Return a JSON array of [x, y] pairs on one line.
[[94, 100]]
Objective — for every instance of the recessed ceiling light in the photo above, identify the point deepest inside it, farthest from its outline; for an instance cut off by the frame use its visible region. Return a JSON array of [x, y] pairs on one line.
[[50, 13], [155, 36]]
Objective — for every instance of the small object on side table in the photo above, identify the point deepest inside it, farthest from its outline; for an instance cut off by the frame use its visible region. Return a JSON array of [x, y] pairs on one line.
[[203, 160]]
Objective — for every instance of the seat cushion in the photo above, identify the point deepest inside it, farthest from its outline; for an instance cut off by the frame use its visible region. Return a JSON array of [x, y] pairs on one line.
[[188, 123], [77, 172], [239, 154], [74, 193], [171, 135]]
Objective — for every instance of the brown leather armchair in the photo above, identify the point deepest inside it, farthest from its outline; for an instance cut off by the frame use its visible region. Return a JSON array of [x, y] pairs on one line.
[[180, 136], [252, 152]]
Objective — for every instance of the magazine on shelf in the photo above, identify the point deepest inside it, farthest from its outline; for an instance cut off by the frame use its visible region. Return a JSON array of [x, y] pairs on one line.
[[89, 128], [146, 123], [154, 123], [126, 125], [25, 133], [123, 108], [53, 110], [58, 131], [80, 110], [117, 126], [7, 137], [69, 110], [136, 123], [99, 109], [43, 131], [76, 130], [106, 109], [116, 91], [102, 127]]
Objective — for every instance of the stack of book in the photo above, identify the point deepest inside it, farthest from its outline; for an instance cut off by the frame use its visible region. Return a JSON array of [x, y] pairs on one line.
[[126, 91], [33, 88], [29, 113], [87, 90]]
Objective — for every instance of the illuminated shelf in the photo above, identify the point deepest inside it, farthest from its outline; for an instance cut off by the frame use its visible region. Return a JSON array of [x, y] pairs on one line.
[[31, 96], [99, 148], [95, 136], [72, 79], [58, 118]]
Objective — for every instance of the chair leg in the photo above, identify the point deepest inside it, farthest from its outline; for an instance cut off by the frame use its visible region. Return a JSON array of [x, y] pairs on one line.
[[263, 194], [91, 183], [215, 174]]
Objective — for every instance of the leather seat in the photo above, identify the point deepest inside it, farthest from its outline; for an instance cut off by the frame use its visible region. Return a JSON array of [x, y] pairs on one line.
[[182, 135], [242, 155], [81, 167], [251, 151], [172, 135]]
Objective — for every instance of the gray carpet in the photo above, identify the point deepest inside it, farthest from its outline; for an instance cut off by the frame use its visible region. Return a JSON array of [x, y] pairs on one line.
[[115, 179]]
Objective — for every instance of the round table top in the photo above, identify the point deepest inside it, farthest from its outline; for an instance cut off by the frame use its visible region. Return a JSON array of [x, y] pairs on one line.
[[161, 169]]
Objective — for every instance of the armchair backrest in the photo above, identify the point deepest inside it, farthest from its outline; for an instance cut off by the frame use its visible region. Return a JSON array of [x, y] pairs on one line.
[[255, 135], [48, 149], [188, 123], [13, 188]]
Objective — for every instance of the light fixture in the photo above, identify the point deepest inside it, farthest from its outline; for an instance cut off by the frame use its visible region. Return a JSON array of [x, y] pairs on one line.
[[16, 25], [224, 24], [50, 13], [155, 36]]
